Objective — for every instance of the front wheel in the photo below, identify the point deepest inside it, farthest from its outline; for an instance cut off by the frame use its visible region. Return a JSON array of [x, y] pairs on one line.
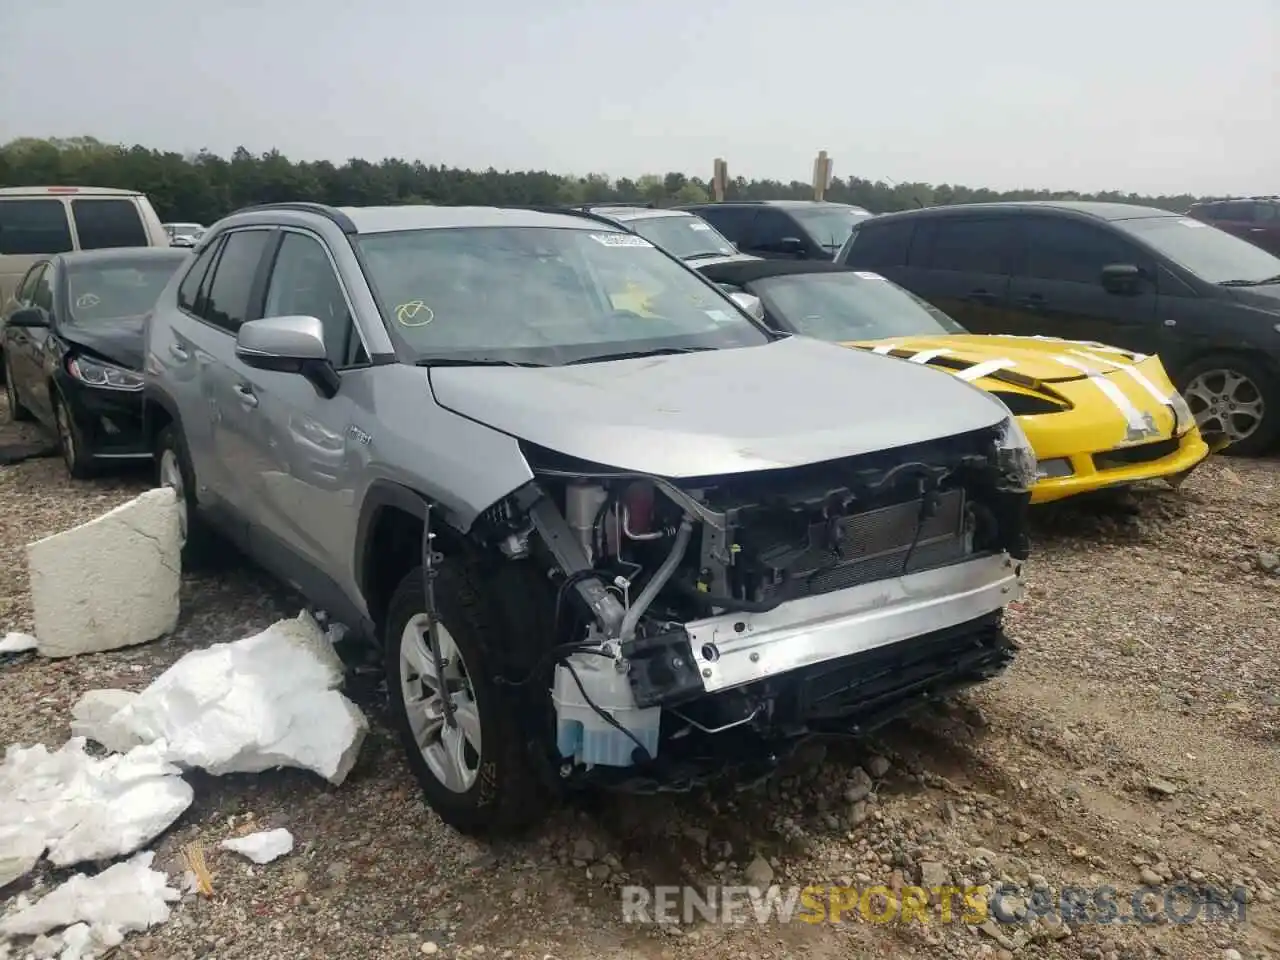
[[1236, 398], [79, 461], [474, 768]]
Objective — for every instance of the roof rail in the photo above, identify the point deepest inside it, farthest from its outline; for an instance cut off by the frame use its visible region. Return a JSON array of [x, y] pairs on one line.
[[633, 205], [574, 212], [344, 223]]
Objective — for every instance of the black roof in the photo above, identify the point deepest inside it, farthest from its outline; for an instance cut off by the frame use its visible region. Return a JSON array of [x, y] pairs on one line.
[[746, 271], [1095, 209], [764, 203], [107, 255]]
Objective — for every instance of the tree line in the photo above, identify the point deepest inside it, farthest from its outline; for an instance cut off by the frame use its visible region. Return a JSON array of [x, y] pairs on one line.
[[202, 187]]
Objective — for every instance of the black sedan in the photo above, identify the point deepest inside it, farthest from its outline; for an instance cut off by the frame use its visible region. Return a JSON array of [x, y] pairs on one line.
[[72, 346]]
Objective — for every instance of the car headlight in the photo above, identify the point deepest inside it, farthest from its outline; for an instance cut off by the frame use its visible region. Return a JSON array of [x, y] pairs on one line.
[[95, 373], [1014, 456], [1183, 418]]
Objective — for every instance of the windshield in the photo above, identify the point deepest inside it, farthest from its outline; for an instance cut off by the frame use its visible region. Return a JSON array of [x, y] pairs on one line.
[[1211, 254], [543, 295], [686, 237], [851, 305], [118, 289], [829, 226]]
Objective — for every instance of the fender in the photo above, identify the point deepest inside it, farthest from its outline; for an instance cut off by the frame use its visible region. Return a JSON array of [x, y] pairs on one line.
[[153, 395]]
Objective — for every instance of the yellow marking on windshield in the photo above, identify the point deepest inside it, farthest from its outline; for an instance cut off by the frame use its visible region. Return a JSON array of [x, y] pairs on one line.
[[415, 313]]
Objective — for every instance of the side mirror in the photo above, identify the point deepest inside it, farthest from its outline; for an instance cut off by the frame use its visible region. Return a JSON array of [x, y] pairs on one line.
[[793, 245], [288, 345], [750, 303], [1125, 278], [29, 318]]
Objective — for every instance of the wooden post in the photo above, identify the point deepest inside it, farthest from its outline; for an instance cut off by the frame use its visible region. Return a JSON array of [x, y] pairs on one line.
[[821, 175], [719, 179]]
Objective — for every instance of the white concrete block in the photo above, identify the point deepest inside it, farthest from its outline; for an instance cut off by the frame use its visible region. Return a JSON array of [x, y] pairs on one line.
[[112, 582]]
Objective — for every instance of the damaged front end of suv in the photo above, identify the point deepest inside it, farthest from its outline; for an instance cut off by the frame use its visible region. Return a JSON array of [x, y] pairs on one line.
[[709, 624]]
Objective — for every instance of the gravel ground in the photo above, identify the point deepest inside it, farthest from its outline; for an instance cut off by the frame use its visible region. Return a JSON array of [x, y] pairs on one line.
[[1133, 741]]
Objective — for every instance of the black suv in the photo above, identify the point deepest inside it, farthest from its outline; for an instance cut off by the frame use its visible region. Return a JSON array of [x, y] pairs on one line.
[[1206, 302], [783, 229]]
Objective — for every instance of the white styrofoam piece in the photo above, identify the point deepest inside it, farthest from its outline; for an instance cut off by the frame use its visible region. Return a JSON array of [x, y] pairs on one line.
[[126, 897], [17, 643], [269, 700], [80, 808], [261, 847], [112, 582], [93, 716]]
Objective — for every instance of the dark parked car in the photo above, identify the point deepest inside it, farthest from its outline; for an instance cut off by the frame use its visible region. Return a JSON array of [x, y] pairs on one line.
[[72, 348], [1256, 219], [1135, 277], [783, 229]]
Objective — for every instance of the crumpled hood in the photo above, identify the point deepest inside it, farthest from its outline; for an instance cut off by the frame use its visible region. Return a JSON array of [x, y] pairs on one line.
[[1043, 359], [783, 404], [120, 341]]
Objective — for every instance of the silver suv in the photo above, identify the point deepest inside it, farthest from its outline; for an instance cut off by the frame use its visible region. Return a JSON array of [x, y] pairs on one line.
[[604, 527]]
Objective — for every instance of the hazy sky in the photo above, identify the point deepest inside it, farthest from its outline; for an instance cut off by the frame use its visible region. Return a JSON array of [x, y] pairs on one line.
[[1147, 95]]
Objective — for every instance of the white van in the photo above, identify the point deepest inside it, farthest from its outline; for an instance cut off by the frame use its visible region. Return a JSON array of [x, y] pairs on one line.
[[36, 222]]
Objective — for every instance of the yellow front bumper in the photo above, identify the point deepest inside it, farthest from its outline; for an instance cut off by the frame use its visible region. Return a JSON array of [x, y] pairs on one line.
[[1096, 471]]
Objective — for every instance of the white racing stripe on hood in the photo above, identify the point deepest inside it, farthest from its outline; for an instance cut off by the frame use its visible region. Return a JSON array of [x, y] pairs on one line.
[[1141, 378], [924, 356], [1138, 425], [1091, 344], [985, 369], [884, 348]]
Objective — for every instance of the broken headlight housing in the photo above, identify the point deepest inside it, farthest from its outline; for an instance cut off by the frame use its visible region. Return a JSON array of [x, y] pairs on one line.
[[1183, 418], [1014, 456], [96, 373]]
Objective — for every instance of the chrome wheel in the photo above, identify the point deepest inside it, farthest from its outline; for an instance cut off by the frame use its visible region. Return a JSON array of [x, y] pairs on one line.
[[452, 752], [171, 477], [1226, 402]]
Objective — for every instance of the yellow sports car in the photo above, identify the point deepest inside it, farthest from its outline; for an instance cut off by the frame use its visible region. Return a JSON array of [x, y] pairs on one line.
[[1096, 415]]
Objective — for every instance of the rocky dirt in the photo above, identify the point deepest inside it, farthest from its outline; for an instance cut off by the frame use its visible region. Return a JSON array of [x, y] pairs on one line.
[[1135, 741]]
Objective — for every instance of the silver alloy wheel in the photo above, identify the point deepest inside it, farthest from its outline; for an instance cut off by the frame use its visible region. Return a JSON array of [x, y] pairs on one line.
[[1227, 402], [171, 476], [10, 391], [452, 753], [65, 437]]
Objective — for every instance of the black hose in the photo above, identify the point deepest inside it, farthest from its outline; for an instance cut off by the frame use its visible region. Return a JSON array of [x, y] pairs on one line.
[[707, 601]]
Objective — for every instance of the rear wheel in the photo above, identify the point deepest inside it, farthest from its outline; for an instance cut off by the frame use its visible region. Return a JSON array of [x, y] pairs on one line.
[[474, 769], [1236, 398], [17, 412]]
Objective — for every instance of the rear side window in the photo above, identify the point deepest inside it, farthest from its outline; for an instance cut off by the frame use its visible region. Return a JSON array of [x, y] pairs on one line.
[[34, 226], [880, 244], [108, 223], [231, 283], [733, 222], [965, 246]]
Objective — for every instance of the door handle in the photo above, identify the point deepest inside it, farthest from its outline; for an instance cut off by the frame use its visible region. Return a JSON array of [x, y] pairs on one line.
[[178, 353], [982, 296], [246, 395], [1033, 301]]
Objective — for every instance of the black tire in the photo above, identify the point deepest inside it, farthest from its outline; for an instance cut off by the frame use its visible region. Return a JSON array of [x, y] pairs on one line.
[[17, 412], [200, 542], [508, 795], [79, 462], [1267, 432]]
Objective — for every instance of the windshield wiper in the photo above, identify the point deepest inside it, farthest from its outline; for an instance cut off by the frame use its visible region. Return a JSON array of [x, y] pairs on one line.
[[637, 354], [1250, 283], [707, 255], [474, 362]]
